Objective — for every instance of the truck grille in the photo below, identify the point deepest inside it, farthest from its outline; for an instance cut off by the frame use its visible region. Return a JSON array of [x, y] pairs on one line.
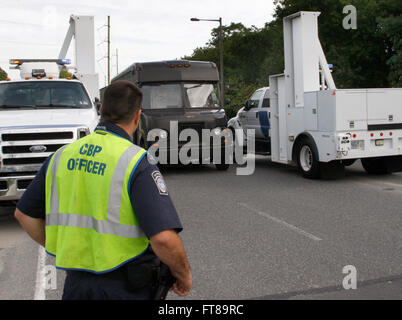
[[37, 136], [20, 161], [3, 185], [26, 151], [195, 126]]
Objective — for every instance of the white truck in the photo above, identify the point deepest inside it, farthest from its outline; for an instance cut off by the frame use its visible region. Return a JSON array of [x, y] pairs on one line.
[[40, 113], [255, 115], [311, 123]]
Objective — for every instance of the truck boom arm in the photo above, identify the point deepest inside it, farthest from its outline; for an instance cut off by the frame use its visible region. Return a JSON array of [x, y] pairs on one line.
[[82, 29]]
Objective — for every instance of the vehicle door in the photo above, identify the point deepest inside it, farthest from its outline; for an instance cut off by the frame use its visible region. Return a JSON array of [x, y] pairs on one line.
[[264, 117], [252, 112]]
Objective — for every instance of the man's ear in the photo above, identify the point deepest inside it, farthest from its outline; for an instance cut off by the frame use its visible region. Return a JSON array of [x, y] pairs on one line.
[[137, 117]]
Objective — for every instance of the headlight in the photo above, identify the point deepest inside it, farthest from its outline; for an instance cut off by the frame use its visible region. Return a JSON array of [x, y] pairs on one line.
[[217, 131]]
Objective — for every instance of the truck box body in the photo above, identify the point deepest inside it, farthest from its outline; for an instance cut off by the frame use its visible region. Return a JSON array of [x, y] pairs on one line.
[[363, 115]]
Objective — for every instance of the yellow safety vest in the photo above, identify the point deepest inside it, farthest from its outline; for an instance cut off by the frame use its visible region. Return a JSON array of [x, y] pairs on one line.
[[90, 221]]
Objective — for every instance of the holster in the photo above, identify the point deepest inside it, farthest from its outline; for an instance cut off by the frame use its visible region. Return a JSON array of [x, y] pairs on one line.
[[165, 282], [142, 276]]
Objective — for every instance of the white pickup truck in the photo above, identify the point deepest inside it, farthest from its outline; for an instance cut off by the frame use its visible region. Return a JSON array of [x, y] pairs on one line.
[[38, 115], [255, 115]]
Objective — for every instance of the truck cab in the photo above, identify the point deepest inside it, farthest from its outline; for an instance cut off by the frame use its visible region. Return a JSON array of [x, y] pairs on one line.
[[38, 115], [254, 115]]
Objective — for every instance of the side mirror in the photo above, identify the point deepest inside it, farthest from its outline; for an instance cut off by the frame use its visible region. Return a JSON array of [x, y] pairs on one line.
[[247, 105]]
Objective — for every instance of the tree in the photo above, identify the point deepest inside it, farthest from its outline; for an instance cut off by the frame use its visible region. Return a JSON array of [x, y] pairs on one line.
[[3, 75], [366, 57], [392, 29], [362, 56], [65, 74], [245, 52]]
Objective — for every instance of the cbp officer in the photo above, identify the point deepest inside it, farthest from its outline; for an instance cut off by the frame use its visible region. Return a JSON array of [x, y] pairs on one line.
[[104, 211]]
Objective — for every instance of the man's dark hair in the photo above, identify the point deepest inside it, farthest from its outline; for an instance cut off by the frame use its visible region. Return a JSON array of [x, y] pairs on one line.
[[121, 100]]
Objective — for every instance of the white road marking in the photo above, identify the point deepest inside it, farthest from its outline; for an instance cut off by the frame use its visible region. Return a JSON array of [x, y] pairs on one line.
[[284, 223], [40, 293]]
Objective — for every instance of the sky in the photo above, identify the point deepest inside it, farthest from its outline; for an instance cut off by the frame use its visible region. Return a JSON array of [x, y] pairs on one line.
[[141, 30]]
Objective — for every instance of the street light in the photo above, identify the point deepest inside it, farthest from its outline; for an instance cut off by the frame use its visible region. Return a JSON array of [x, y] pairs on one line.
[[220, 53]]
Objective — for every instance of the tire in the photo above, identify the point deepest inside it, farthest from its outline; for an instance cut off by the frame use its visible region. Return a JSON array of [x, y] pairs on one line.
[[348, 162], [222, 167], [307, 159], [332, 170], [375, 166]]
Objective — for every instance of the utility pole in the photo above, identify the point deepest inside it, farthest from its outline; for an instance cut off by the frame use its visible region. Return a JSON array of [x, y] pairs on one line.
[[222, 81], [221, 62], [108, 50]]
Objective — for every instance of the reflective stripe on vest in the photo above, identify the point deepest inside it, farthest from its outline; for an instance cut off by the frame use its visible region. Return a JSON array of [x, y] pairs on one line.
[[111, 226]]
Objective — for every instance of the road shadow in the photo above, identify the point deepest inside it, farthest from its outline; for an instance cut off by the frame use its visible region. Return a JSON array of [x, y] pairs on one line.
[[362, 292], [351, 172], [6, 212], [357, 171], [264, 165], [187, 169]]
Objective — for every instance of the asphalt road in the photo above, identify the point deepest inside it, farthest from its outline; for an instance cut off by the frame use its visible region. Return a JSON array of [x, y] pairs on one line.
[[272, 235]]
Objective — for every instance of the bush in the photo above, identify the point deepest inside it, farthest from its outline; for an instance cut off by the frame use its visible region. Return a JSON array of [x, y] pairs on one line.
[[3, 75]]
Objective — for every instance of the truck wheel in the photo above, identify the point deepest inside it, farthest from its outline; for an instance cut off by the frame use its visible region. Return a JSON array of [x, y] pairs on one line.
[[222, 167], [375, 165], [332, 170], [348, 162], [307, 159]]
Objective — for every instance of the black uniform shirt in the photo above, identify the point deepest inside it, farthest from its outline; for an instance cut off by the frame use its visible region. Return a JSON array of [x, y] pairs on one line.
[[152, 204]]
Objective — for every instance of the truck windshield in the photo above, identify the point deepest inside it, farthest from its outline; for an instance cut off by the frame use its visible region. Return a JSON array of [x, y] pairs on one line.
[[43, 94], [179, 95], [202, 95]]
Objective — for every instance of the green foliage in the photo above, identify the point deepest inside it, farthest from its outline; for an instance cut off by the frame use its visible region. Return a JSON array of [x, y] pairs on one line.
[[65, 74], [247, 61], [3, 75], [366, 57], [392, 29], [240, 93]]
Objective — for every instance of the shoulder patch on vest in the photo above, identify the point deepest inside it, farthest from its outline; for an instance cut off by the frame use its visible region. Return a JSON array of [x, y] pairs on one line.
[[160, 183]]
